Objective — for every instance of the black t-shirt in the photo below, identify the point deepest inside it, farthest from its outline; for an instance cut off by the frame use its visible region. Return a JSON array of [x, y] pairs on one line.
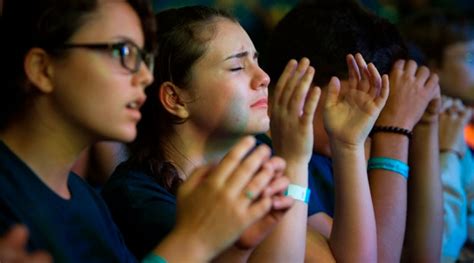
[[144, 211], [76, 230]]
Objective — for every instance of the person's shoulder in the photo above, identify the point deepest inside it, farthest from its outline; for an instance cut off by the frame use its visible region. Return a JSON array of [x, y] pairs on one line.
[[134, 185], [9, 162], [128, 178]]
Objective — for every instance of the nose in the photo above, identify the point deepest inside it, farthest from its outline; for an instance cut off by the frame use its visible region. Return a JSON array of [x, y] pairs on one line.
[[260, 79], [143, 77]]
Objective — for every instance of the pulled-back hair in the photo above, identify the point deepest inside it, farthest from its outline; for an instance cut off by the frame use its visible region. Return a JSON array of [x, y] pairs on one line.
[[182, 40], [44, 24], [325, 32]]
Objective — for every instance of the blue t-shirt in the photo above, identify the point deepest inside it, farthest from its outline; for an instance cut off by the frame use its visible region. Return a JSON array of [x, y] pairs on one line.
[[320, 181], [144, 211], [76, 230], [320, 169]]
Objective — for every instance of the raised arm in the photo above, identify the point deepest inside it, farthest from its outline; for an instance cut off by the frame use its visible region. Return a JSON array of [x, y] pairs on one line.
[[348, 118], [453, 118], [409, 96], [292, 111], [425, 194]]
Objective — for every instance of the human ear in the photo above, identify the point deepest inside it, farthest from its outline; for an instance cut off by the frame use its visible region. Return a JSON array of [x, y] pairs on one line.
[[171, 100], [39, 70]]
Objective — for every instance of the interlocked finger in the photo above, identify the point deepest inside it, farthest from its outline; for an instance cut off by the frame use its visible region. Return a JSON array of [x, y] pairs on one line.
[[258, 183], [232, 160], [422, 75], [411, 67], [251, 166]]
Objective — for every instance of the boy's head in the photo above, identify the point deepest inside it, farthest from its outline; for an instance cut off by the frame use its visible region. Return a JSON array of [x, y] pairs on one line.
[[446, 41], [325, 32]]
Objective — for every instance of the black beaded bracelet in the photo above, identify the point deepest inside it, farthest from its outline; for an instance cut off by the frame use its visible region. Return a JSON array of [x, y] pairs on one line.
[[391, 129]]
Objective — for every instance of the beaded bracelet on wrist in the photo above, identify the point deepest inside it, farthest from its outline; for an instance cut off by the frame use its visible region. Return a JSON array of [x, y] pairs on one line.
[[391, 129]]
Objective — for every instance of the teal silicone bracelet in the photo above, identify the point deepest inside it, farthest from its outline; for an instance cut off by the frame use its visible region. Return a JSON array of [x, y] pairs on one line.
[[153, 258], [298, 192], [389, 164]]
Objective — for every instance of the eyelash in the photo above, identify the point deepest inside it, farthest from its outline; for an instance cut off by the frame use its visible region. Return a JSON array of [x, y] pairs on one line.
[[236, 69]]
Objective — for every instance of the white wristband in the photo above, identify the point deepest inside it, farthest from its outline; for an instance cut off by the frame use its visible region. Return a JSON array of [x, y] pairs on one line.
[[298, 193]]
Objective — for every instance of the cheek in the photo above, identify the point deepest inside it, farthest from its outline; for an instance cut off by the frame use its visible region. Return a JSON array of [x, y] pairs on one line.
[[236, 111], [461, 77]]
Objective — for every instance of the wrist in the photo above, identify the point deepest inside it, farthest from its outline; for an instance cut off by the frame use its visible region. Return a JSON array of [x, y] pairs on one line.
[[432, 123], [425, 128], [297, 172], [457, 153], [392, 130], [298, 193], [395, 122], [338, 146], [385, 137]]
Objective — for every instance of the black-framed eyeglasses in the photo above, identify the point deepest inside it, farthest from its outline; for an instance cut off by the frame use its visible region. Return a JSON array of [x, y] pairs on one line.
[[130, 54]]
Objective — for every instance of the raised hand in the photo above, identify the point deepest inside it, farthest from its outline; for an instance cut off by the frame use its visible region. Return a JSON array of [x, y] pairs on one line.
[[292, 110], [216, 204], [13, 248], [412, 89], [350, 115], [453, 119]]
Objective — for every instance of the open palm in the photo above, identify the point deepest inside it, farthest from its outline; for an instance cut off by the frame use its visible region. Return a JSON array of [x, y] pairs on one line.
[[350, 115]]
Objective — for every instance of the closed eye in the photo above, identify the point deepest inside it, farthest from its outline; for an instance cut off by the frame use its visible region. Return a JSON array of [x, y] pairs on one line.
[[236, 68]]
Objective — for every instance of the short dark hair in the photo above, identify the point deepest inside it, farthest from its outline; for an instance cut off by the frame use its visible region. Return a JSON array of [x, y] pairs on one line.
[[44, 23], [182, 40], [325, 32], [433, 30]]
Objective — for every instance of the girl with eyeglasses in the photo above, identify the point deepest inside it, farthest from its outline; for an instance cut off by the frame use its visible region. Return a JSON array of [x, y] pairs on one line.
[[209, 92], [74, 72]]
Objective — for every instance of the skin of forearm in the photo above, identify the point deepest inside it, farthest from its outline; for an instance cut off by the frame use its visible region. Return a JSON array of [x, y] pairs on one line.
[[233, 255], [389, 196], [182, 246], [287, 242], [353, 236], [425, 200]]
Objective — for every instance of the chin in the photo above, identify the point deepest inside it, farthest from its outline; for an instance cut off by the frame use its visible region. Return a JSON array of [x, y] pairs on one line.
[[262, 128], [124, 136]]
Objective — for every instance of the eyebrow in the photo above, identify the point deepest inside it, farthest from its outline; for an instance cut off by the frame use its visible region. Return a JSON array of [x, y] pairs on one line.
[[122, 38], [241, 55]]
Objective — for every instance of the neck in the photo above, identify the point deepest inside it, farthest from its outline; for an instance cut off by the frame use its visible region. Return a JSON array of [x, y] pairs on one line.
[[48, 149], [190, 148]]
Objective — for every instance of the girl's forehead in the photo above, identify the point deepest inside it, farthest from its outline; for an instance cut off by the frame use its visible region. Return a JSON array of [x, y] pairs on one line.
[[112, 19], [230, 37]]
